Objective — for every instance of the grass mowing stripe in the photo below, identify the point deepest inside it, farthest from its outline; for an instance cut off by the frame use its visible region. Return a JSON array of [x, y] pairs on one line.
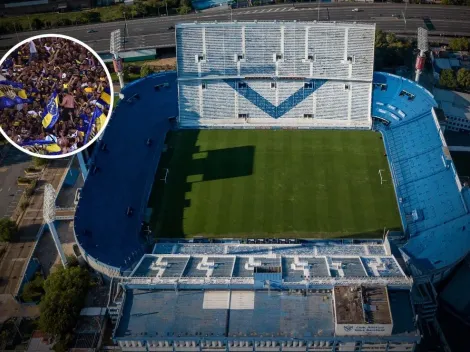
[[282, 183]]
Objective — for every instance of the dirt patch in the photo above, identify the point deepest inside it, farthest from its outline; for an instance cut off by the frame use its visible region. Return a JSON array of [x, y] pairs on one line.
[[162, 64]]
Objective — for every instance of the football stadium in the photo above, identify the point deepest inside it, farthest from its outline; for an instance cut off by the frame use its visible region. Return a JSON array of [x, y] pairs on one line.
[[273, 194]]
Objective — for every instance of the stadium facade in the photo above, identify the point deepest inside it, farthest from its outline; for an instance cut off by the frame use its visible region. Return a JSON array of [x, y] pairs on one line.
[[294, 296]]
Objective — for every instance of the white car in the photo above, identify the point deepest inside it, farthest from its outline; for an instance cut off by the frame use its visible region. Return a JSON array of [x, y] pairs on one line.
[[355, 10]]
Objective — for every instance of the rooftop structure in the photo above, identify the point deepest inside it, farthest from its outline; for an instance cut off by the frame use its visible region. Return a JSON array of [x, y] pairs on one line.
[[320, 264], [113, 246], [456, 107], [362, 310], [195, 319]]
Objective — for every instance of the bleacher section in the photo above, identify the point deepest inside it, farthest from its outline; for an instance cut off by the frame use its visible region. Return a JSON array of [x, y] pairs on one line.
[[296, 264], [114, 197], [270, 74], [432, 203]]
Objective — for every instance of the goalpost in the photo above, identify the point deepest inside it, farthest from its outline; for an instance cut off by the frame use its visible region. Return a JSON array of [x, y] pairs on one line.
[[166, 175], [382, 179]]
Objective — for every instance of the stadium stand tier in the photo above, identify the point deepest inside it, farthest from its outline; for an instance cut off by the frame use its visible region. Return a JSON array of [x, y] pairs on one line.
[[286, 266], [112, 203], [275, 74], [433, 204]]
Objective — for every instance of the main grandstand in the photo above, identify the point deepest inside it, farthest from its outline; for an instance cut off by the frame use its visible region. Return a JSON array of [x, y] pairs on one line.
[[279, 293]]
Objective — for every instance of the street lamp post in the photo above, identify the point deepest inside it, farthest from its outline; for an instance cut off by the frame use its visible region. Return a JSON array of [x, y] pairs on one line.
[[404, 19], [16, 32], [318, 7], [125, 24]]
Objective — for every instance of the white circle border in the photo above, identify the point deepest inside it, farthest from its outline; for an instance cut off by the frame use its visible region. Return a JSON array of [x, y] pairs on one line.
[[111, 87]]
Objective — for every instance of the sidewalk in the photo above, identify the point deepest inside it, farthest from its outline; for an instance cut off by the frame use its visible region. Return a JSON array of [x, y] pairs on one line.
[[17, 254]]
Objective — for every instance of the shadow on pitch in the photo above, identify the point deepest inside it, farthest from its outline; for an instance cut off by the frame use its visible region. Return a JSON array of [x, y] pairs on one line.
[[188, 164]]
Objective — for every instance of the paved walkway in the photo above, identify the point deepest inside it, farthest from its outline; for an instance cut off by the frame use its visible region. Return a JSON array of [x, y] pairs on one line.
[[17, 253]]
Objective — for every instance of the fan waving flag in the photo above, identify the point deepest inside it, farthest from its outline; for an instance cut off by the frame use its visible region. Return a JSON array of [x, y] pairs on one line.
[[105, 98], [51, 114], [97, 120]]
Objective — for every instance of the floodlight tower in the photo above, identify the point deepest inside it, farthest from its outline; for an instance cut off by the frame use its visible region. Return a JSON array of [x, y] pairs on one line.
[[115, 47], [423, 47], [48, 213]]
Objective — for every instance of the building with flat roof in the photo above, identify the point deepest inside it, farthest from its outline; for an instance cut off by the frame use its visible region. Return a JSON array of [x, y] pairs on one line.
[[323, 296], [456, 107]]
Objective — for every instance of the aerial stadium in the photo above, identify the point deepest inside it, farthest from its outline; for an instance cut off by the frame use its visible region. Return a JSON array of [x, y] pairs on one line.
[[298, 200]]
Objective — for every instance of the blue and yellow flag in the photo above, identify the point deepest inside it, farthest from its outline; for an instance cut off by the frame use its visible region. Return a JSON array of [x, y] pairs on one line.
[[50, 147], [51, 114], [105, 98], [11, 94], [6, 102], [100, 121], [97, 119]]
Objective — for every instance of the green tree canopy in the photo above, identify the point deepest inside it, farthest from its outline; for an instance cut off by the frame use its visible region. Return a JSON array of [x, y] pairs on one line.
[[8, 230], [39, 162], [37, 23], [65, 292], [145, 70], [458, 44], [33, 290], [447, 79], [463, 78], [183, 10]]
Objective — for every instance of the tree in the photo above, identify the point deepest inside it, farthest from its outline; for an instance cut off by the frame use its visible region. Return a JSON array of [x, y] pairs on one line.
[[463, 78], [459, 44], [447, 79], [65, 292], [145, 70], [39, 162], [33, 290], [391, 38], [380, 39], [36, 23], [8, 230], [183, 10]]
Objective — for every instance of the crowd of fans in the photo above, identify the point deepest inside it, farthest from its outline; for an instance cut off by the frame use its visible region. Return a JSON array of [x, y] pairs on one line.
[[42, 69]]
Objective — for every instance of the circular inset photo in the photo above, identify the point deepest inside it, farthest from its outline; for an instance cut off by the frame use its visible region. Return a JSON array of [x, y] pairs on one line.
[[56, 96]]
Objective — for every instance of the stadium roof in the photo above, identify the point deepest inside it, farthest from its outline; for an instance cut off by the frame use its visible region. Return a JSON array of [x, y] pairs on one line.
[[431, 199], [166, 314], [122, 174], [454, 104]]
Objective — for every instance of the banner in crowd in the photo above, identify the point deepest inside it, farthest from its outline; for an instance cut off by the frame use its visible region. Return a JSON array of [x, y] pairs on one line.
[[97, 119], [51, 114], [105, 98], [50, 147], [12, 94]]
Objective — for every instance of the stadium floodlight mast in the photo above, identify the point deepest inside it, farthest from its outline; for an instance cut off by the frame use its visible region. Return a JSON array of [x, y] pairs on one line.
[[115, 47], [49, 215], [423, 46]]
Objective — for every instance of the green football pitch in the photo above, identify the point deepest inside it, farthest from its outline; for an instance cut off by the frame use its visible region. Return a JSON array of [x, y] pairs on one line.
[[285, 183]]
